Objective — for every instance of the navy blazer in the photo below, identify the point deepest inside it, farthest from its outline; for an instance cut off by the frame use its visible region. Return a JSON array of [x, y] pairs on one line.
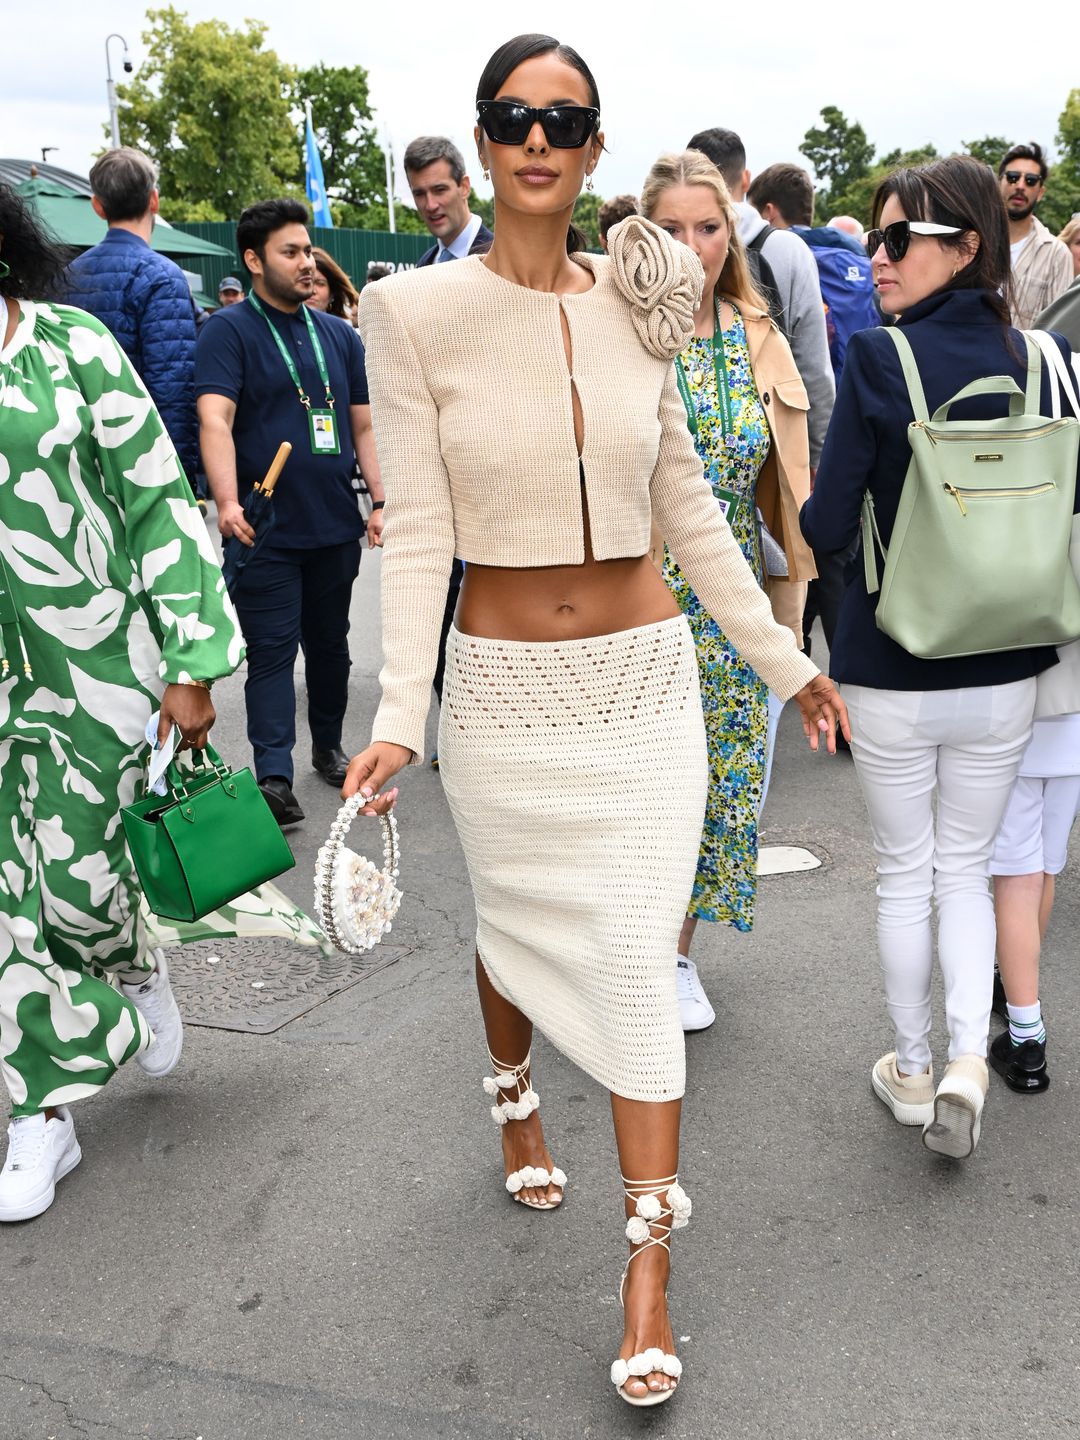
[[957, 337], [480, 246]]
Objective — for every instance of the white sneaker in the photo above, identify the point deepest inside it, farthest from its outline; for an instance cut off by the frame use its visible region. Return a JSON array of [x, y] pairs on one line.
[[958, 1108], [40, 1152], [695, 1012], [157, 1005]]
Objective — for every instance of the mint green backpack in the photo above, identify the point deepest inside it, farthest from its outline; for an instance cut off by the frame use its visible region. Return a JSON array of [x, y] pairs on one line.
[[979, 555]]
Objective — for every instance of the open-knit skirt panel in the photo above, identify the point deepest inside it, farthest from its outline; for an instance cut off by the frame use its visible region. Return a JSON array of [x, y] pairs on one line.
[[576, 772]]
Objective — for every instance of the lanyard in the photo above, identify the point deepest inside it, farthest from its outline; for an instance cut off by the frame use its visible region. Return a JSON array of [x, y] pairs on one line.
[[723, 393], [316, 345]]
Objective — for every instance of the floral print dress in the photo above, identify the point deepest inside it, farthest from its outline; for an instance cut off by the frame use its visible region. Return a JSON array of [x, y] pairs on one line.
[[734, 699]]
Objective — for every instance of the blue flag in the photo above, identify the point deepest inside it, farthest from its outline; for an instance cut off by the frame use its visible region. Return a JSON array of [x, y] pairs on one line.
[[313, 177]]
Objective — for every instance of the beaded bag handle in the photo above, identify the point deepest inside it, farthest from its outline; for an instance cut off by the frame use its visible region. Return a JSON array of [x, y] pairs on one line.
[[355, 902]]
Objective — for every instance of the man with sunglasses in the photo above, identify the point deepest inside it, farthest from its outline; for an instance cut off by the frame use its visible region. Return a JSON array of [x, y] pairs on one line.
[[1042, 267]]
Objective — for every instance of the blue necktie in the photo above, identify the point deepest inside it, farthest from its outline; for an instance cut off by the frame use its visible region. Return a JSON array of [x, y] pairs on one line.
[[445, 254]]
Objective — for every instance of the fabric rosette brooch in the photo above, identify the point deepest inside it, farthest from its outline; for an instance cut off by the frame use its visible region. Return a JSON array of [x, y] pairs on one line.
[[662, 280], [355, 901]]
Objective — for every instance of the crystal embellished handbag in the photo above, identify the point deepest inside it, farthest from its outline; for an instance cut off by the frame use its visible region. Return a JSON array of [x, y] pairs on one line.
[[355, 902]]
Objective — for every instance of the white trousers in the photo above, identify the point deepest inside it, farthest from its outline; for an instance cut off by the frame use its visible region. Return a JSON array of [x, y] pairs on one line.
[[966, 745]]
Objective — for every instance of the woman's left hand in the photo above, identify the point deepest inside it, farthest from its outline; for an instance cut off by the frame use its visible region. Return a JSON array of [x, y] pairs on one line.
[[374, 528], [191, 710], [822, 711]]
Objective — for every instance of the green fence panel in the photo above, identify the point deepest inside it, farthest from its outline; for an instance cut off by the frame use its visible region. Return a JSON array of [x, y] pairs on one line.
[[353, 250]]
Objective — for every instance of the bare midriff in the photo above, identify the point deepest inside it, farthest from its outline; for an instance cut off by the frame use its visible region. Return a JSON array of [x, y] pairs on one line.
[[564, 602]]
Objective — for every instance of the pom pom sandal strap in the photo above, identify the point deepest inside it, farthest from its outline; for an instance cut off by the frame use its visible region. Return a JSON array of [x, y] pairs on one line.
[[510, 1077], [520, 1106], [660, 1206]]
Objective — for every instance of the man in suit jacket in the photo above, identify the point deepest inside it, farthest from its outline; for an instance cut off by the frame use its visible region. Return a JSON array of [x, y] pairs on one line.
[[440, 189]]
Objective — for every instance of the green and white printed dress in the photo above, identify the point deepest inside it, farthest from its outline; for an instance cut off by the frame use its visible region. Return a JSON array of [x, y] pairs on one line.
[[112, 591]]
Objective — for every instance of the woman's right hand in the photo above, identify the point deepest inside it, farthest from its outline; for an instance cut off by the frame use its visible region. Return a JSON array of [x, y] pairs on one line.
[[370, 770], [823, 713]]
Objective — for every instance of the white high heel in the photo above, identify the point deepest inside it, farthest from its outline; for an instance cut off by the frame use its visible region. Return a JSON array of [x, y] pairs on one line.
[[525, 1101], [651, 1215]]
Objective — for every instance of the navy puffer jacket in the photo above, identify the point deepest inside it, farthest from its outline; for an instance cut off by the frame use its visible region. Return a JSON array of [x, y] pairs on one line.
[[145, 301]]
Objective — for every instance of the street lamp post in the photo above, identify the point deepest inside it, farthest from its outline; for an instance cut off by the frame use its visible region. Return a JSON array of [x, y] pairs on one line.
[[110, 87], [389, 152]]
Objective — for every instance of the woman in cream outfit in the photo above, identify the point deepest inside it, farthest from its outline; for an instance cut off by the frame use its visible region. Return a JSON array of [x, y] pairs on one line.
[[528, 421]]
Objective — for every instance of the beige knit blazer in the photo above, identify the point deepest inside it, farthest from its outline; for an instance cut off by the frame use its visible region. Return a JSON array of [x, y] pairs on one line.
[[472, 410]]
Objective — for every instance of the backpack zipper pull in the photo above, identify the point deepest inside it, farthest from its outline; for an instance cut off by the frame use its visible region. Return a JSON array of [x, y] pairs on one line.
[[922, 425], [955, 493]]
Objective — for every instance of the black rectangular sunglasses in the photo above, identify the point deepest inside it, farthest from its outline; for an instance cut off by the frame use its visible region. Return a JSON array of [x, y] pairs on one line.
[[897, 237], [1015, 176], [567, 127]]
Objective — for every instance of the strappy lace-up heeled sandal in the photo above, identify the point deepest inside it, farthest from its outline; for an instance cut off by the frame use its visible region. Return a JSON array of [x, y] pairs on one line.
[[524, 1101], [660, 1206]]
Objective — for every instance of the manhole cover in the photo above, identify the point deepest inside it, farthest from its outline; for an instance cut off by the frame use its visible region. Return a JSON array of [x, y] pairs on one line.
[[259, 984], [785, 859]]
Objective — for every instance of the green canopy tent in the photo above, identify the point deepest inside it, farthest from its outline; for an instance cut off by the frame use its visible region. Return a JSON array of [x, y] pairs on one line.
[[72, 220]]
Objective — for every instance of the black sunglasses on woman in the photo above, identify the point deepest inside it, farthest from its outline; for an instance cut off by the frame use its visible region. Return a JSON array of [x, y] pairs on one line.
[[566, 127], [897, 237]]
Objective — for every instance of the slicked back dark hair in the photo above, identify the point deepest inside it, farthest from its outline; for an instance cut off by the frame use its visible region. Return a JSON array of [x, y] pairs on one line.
[[35, 259], [726, 151], [961, 191], [259, 221], [505, 61]]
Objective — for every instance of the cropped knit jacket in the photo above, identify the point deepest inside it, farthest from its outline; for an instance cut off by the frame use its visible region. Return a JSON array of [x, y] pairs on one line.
[[472, 409]]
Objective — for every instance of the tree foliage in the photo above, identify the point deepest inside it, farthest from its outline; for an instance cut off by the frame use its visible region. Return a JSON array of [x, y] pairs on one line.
[[1062, 199], [989, 149], [210, 105], [839, 154], [354, 163], [587, 217]]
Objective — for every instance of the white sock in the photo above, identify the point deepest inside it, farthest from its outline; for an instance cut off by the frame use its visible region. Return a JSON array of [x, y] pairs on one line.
[[1025, 1023]]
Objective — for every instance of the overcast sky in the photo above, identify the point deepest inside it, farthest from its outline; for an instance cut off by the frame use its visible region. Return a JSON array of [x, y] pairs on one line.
[[910, 71]]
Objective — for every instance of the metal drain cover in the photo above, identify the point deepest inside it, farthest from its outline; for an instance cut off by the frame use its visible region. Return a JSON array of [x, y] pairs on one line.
[[257, 985]]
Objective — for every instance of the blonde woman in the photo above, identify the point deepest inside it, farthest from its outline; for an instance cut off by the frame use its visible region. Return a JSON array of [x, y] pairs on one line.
[[1070, 236], [746, 409]]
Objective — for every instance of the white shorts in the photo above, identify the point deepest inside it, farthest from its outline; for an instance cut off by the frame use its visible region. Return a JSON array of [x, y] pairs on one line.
[[1034, 835]]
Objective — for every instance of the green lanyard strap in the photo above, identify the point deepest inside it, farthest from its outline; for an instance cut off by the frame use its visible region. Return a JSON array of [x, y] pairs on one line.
[[723, 392], [290, 363]]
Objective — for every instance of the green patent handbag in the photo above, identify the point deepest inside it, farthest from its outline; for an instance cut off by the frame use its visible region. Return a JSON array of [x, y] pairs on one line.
[[978, 559], [210, 839]]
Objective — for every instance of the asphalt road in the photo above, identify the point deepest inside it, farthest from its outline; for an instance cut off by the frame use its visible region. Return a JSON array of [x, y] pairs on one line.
[[306, 1233]]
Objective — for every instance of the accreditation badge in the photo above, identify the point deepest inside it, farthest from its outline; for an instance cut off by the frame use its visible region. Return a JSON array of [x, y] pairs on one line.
[[729, 504], [324, 436]]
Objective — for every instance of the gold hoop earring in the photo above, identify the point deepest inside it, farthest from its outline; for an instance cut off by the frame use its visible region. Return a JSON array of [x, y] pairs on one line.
[[588, 182]]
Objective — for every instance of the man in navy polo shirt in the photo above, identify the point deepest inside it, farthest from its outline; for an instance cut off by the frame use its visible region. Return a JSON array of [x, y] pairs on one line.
[[268, 370]]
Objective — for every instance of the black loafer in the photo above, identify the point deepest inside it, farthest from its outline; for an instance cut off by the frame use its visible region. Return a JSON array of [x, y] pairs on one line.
[[332, 765], [284, 805], [1022, 1067]]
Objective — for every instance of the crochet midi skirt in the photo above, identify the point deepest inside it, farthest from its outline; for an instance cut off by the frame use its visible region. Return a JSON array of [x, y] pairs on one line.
[[576, 772]]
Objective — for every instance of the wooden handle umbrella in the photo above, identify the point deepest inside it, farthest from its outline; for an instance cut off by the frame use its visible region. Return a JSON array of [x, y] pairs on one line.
[[270, 479]]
